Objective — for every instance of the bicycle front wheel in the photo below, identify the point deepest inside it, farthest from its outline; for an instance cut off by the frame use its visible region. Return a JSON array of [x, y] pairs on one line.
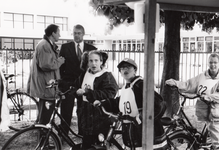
[[23, 110], [33, 138], [179, 140]]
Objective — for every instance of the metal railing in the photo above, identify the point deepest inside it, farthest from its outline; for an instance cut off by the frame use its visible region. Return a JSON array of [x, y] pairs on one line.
[[18, 61]]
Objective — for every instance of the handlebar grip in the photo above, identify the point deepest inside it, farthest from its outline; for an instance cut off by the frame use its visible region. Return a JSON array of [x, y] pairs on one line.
[[205, 101]]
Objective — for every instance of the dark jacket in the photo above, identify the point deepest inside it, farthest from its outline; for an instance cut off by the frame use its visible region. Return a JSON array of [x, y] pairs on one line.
[[70, 70], [113, 105], [91, 120]]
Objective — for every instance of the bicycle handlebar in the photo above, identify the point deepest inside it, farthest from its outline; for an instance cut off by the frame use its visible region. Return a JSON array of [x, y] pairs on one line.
[[54, 83], [117, 116], [188, 95]]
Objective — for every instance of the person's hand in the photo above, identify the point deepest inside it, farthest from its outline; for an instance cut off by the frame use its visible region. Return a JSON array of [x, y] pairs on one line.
[[61, 59], [52, 81], [171, 82], [80, 92], [138, 119], [207, 99], [96, 103]]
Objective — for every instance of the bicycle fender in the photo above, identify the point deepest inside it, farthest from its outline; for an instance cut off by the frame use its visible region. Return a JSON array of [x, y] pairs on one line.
[[42, 125], [179, 132]]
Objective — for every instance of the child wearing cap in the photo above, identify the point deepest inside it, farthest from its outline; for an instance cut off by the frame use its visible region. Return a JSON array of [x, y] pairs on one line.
[[130, 102]]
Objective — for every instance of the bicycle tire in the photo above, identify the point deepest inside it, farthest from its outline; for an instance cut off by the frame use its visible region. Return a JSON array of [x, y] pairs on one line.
[[30, 139], [24, 110], [179, 140]]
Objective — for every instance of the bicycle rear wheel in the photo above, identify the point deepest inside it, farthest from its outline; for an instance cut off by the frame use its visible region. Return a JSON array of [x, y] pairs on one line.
[[32, 139], [179, 140], [23, 110]]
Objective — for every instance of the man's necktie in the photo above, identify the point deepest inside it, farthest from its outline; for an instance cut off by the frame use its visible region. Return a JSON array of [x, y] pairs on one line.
[[79, 52]]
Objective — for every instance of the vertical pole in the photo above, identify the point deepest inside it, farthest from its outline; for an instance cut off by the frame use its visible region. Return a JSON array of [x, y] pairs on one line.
[[148, 95]]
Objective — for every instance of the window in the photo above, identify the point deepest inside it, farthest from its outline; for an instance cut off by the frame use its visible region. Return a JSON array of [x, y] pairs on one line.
[[44, 21], [192, 47], [28, 21], [185, 39], [9, 20], [185, 44], [160, 47], [7, 43], [200, 44], [19, 21], [192, 38], [208, 43], [186, 47], [18, 43], [28, 43], [216, 44]]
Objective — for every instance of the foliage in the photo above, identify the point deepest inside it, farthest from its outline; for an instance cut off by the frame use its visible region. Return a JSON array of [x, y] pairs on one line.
[[116, 14], [121, 13], [209, 21]]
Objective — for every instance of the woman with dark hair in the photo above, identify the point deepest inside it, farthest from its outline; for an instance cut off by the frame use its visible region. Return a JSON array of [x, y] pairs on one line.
[[95, 83]]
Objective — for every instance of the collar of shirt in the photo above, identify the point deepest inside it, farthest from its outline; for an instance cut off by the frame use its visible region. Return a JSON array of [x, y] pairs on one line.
[[50, 41], [81, 45]]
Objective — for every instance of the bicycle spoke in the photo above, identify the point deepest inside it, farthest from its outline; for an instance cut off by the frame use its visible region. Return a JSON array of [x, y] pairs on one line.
[[23, 110]]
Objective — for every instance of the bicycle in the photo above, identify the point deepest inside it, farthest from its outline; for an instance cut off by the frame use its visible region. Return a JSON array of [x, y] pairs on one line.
[[48, 136], [23, 108], [181, 133], [114, 136], [114, 140]]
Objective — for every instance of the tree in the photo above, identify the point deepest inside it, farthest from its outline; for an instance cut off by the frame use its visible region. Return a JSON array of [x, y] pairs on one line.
[[174, 21], [115, 14]]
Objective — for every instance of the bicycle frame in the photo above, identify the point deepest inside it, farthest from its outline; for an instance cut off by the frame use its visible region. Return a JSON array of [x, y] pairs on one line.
[[58, 128], [181, 122], [113, 131]]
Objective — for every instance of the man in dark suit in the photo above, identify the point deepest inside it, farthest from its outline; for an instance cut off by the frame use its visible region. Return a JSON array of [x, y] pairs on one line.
[[70, 70]]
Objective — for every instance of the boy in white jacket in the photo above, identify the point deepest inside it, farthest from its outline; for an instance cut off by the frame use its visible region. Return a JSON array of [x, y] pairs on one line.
[[207, 84]]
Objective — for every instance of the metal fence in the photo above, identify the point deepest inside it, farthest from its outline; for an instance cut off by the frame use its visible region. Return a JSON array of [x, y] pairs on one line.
[[18, 61]]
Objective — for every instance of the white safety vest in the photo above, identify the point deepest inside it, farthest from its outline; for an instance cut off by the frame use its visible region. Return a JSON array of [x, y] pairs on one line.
[[127, 102]]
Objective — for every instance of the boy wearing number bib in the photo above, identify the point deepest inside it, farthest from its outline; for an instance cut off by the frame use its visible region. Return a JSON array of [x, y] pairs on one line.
[[130, 102]]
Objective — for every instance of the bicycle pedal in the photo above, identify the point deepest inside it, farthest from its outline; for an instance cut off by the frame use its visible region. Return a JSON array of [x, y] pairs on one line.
[[13, 112]]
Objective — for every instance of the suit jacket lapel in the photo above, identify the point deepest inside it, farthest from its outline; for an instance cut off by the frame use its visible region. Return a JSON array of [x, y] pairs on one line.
[[72, 49], [85, 47]]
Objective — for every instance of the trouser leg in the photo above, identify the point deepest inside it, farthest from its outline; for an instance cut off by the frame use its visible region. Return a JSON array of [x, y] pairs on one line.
[[46, 108], [214, 133], [88, 141], [66, 111]]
